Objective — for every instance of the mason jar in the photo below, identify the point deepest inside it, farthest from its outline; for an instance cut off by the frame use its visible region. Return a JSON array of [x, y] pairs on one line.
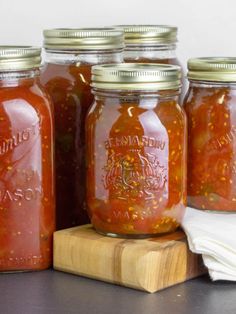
[[27, 200], [152, 43], [69, 55], [136, 150], [210, 105]]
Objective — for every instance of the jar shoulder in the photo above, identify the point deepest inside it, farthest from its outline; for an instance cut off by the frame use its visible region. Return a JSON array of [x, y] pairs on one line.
[[70, 71], [59, 79], [198, 96], [131, 116], [26, 98]]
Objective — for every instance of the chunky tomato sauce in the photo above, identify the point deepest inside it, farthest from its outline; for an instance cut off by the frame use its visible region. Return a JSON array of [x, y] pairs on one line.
[[27, 218], [69, 87], [136, 165], [211, 115]]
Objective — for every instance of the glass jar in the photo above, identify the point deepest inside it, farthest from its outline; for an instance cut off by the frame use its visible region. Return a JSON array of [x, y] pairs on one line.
[[152, 43], [136, 150], [70, 53], [210, 105], [27, 218]]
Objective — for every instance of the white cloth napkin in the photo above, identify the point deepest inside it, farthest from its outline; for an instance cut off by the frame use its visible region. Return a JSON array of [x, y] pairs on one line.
[[214, 236]]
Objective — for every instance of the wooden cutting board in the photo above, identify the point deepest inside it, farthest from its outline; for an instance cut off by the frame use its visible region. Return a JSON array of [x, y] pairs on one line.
[[150, 264]]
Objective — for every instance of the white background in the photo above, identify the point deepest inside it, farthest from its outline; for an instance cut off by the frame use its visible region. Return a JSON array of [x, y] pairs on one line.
[[206, 28]]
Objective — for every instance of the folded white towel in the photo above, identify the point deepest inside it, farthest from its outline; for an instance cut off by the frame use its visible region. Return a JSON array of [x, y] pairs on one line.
[[214, 236]]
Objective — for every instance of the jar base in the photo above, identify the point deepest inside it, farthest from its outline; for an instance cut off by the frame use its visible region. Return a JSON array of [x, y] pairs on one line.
[[133, 236], [23, 270], [14, 271]]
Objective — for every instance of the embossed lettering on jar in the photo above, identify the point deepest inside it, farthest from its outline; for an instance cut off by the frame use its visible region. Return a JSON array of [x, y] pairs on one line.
[[136, 150], [211, 109], [27, 218], [70, 53]]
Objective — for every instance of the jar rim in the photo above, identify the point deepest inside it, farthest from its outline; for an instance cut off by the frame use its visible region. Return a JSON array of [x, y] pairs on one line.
[[149, 34], [17, 58], [218, 69], [83, 38], [136, 76]]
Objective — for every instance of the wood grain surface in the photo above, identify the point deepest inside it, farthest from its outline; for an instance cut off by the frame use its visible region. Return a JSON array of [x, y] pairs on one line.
[[146, 264]]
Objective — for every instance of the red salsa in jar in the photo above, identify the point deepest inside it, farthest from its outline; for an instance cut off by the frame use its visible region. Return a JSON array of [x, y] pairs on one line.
[[66, 75], [27, 218], [210, 105], [136, 150]]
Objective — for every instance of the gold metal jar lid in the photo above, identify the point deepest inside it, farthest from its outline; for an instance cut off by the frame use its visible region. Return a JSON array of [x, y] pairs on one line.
[[215, 69], [83, 39], [149, 34], [16, 58], [136, 76]]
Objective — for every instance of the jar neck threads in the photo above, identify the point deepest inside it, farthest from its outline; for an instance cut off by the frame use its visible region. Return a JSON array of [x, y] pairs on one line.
[[209, 84], [16, 78], [137, 96], [89, 56], [151, 53]]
